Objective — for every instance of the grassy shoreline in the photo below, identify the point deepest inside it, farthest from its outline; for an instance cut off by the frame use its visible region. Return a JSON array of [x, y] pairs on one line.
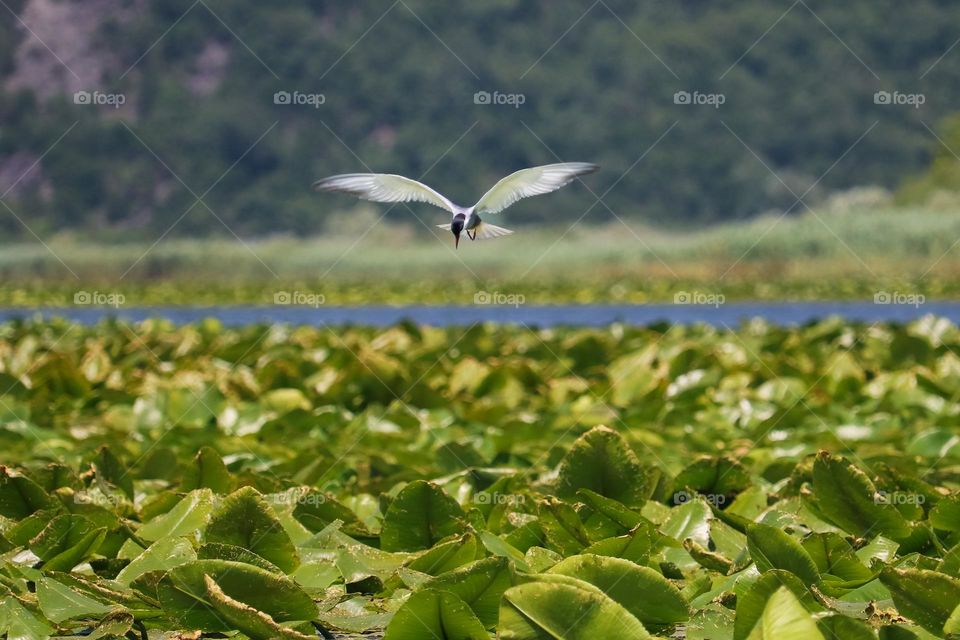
[[825, 255]]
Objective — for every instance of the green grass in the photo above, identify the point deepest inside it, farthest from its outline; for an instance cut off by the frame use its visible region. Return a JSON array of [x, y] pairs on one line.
[[829, 254]]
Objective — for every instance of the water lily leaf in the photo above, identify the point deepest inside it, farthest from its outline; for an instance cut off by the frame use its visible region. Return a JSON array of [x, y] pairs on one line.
[[480, 585], [256, 624], [636, 546], [602, 461], [773, 548], [207, 471], [163, 554], [650, 597], [244, 519], [689, 520], [753, 602], [221, 551], [19, 623], [115, 625], [715, 476], [539, 609], [58, 602], [188, 516], [184, 595], [562, 526], [503, 549], [286, 400], [835, 557], [707, 559], [611, 510], [420, 516], [447, 556], [109, 469], [67, 541], [316, 510], [20, 496], [945, 514], [846, 496], [784, 618], [926, 597], [840, 627], [435, 614]]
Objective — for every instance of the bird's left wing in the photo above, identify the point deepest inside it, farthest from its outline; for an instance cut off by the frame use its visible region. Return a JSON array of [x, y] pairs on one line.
[[531, 182], [383, 187]]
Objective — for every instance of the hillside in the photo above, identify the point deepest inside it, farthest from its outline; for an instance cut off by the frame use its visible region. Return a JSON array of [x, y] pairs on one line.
[[685, 104]]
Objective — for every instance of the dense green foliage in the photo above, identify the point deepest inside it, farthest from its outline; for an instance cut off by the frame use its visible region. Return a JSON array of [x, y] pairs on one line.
[[851, 250], [942, 178], [798, 81], [756, 483]]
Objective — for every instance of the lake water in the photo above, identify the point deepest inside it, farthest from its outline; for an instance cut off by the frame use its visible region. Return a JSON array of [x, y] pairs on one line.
[[731, 314]]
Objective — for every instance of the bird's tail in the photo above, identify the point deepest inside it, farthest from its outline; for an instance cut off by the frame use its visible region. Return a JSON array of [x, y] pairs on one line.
[[485, 231]]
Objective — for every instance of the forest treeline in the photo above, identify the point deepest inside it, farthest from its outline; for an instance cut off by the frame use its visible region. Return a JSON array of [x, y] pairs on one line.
[[221, 113]]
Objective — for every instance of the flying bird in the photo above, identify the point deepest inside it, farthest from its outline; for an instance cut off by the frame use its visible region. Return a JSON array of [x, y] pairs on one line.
[[387, 187]]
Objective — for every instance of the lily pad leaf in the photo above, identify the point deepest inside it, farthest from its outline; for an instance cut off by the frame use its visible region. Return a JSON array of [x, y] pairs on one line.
[[184, 595], [602, 461], [538, 610], [440, 615], [316, 510], [59, 602], [926, 597], [20, 496], [244, 519], [846, 496], [650, 597], [207, 471], [67, 541], [773, 548], [186, 517], [256, 624], [480, 585], [784, 618], [163, 554], [420, 516], [752, 604]]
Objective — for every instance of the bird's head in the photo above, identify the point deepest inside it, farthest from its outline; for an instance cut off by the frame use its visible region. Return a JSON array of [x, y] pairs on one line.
[[457, 227]]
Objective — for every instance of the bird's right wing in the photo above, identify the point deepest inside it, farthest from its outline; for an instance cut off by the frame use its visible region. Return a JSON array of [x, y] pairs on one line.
[[383, 187]]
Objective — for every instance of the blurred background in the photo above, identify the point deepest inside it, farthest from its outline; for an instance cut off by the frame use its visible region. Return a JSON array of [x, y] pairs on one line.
[[767, 149]]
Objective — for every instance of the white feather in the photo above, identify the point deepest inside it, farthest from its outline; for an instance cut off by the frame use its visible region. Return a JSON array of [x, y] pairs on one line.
[[383, 187], [486, 231], [531, 182]]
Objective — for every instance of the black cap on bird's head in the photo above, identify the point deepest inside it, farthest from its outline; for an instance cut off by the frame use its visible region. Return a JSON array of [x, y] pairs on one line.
[[457, 227]]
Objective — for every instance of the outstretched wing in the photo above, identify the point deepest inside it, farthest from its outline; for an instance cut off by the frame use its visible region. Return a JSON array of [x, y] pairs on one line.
[[383, 187], [531, 182]]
